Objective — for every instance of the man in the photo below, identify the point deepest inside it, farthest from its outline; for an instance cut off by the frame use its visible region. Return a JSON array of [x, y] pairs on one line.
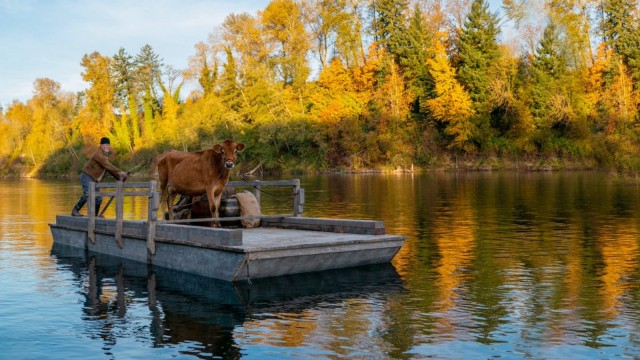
[[94, 171]]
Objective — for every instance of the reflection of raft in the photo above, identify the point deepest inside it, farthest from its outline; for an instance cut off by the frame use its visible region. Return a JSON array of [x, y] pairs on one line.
[[283, 244], [187, 308]]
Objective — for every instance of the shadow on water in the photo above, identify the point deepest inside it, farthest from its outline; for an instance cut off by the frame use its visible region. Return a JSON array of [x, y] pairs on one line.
[[187, 308]]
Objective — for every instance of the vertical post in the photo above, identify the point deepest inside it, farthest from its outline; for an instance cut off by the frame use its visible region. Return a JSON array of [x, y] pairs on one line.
[[296, 199], [119, 213], [256, 192], [152, 218], [300, 201], [120, 292], [91, 208], [92, 293]]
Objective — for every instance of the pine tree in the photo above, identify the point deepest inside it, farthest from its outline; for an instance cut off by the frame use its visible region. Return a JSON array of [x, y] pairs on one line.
[[618, 23], [123, 72], [550, 58], [412, 58], [122, 68], [148, 74], [478, 51], [621, 30], [388, 25], [547, 68]]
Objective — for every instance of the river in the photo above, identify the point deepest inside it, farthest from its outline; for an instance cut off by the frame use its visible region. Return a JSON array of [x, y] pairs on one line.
[[508, 265]]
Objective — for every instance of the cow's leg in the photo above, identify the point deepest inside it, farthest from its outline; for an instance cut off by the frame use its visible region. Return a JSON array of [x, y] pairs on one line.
[[163, 199], [213, 207], [171, 196], [216, 201], [163, 179]]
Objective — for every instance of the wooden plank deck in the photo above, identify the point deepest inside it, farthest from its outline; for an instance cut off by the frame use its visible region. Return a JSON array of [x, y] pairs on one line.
[[260, 239]]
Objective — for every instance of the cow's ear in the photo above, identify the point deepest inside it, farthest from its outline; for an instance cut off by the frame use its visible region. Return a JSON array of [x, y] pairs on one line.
[[217, 148], [240, 147]]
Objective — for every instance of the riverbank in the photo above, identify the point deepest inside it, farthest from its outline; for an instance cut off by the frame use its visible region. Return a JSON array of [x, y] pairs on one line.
[[441, 163]]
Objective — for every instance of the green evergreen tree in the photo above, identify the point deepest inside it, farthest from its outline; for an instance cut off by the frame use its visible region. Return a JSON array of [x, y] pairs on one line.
[[148, 73], [388, 24], [617, 23], [122, 68], [550, 101], [478, 51], [620, 29], [477, 56], [412, 58], [545, 71], [550, 59], [123, 74]]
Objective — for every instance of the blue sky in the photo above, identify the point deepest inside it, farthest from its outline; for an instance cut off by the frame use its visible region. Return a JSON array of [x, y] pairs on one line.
[[47, 38]]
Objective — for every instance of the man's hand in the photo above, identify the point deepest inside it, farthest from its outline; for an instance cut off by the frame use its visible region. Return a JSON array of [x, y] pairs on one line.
[[123, 176]]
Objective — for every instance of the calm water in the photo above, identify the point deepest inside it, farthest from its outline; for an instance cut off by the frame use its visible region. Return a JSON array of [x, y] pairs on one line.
[[510, 266]]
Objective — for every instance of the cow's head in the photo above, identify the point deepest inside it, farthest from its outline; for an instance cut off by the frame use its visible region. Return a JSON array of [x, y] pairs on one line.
[[229, 150]]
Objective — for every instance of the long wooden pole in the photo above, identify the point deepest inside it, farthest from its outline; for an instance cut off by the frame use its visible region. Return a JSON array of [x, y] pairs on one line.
[[111, 199], [91, 208], [119, 213]]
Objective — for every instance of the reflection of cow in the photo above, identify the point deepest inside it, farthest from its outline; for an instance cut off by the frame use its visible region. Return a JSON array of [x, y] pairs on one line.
[[195, 173]]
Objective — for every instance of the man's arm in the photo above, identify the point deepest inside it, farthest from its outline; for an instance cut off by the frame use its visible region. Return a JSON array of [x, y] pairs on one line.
[[103, 160]]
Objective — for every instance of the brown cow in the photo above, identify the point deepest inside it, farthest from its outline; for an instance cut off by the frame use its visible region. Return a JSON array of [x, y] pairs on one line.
[[195, 173]]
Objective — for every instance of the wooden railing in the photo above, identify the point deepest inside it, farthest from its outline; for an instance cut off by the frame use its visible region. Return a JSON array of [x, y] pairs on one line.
[[151, 191], [148, 190], [256, 187]]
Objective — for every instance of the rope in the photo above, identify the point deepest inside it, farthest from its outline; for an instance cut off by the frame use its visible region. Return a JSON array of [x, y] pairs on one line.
[[274, 195], [242, 176]]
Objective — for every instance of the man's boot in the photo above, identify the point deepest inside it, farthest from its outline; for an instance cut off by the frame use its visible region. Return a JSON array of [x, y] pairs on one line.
[[75, 211], [98, 210]]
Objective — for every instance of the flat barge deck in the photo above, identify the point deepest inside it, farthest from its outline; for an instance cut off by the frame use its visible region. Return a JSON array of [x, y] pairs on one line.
[[282, 245]]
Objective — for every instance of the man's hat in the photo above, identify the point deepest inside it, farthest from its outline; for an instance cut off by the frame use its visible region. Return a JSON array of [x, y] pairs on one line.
[[105, 140]]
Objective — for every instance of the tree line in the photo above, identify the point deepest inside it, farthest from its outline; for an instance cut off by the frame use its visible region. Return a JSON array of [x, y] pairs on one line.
[[360, 84]]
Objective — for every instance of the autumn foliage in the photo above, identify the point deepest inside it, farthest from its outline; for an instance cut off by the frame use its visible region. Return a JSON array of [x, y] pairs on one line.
[[350, 85]]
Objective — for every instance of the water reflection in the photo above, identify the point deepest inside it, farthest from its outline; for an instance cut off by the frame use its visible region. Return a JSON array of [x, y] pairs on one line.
[[512, 265], [183, 308]]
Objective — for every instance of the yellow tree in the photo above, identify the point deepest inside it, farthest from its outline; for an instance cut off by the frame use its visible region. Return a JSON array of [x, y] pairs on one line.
[[452, 104], [284, 27], [364, 77], [50, 122], [97, 117], [16, 127], [393, 103], [170, 127], [336, 107], [244, 42], [610, 91], [620, 98], [331, 99], [396, 98]]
